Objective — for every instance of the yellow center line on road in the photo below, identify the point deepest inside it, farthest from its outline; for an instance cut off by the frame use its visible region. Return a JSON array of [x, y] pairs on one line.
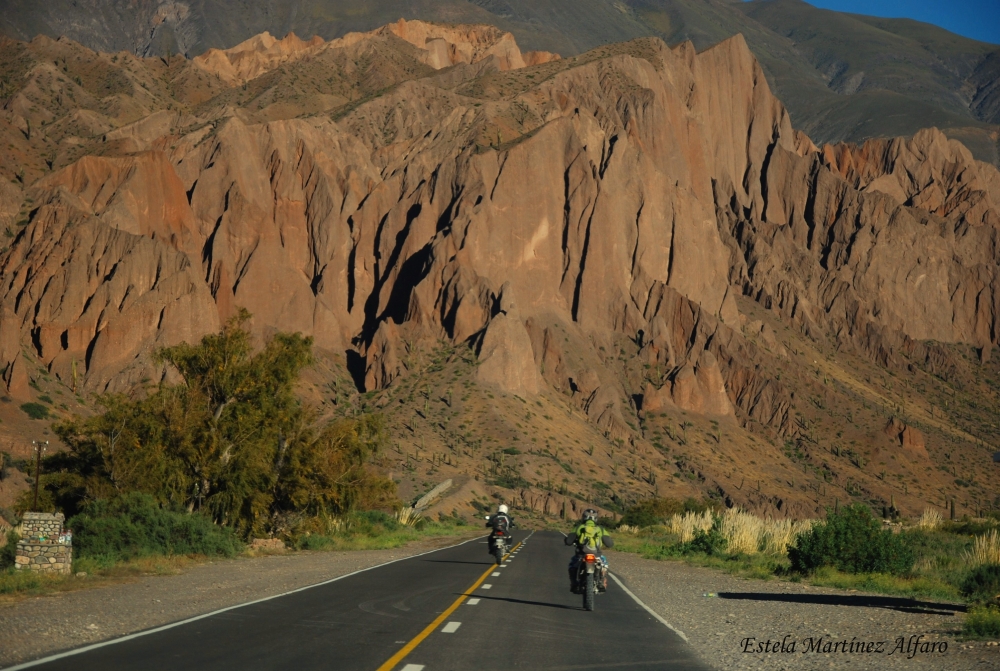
[[429, 629]]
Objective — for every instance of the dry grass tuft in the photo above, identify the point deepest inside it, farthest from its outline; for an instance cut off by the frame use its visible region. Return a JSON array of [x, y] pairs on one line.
[[744, 532], [685, 525], [408, 517], [331, 524], [627, 529], [930, 520], [985, 550], [780, 534]]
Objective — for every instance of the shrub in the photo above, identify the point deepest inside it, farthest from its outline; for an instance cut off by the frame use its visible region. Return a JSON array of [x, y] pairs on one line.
[[710, 542], [372, 522], [982, 622], [656, 510], [134, 525], [315, 542], [9, 551], [853, 541], [35, 410], [982, 583]]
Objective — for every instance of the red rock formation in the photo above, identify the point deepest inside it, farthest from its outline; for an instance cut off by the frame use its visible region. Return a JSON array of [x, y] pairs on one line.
[[910, 439], [252, 58], [628, 195], [439, 47]]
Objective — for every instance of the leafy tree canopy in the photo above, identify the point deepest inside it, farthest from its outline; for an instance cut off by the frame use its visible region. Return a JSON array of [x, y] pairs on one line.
[[232, 440]]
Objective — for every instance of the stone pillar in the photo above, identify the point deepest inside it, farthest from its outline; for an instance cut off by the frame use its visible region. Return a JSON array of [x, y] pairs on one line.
[[44, 546]]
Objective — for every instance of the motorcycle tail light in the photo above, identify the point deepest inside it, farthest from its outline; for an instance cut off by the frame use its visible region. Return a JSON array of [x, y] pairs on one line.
[[499, 533], [590, 559]]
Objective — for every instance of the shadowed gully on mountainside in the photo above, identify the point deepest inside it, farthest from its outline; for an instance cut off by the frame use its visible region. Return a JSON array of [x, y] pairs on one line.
[[584, 279]]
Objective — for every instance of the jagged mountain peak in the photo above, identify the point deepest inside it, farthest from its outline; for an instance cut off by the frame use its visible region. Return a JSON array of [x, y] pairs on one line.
[[439, 46]]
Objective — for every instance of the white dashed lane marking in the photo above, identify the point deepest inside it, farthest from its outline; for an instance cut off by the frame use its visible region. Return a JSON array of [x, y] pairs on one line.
[[495, 573], [451, 627], [487, 586], [472, 602], [413, 667]]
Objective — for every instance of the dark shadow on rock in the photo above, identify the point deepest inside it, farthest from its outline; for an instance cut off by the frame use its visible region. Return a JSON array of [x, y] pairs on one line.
[[356, 367], [902, 604]]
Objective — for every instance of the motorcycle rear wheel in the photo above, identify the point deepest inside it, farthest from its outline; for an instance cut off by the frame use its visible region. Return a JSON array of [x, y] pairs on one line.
[[498, 554], [588, 592]]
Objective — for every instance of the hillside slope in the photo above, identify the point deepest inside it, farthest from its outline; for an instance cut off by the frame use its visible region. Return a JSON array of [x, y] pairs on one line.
[[580, 281]]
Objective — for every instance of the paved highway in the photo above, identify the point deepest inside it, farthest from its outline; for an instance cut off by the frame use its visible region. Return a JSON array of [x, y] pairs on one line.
[[451, 609]]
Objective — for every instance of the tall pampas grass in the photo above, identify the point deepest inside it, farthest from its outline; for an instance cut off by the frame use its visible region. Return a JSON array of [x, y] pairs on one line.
[[779, 535], [408, 517], [985, 550], [930, 520], [331, 524], [685, 525], [745, 533], [742, 531]]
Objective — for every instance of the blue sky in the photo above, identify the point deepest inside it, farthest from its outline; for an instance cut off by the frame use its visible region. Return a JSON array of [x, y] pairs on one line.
[[978, 19]]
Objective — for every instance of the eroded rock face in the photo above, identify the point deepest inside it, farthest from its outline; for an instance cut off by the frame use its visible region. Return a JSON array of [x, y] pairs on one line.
[[631, 193], [696, 388], [90, 297], [883, 244], [907, 437], [506, 359]]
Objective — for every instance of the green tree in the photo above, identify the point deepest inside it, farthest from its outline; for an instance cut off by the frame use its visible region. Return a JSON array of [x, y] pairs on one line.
[[232, 440]]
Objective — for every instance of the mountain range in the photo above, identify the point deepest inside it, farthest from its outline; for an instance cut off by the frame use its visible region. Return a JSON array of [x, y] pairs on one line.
[[564, 280], [843, 77]]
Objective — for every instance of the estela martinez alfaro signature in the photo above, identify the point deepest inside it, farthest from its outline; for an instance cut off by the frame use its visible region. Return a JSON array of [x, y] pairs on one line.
[[909, 647]]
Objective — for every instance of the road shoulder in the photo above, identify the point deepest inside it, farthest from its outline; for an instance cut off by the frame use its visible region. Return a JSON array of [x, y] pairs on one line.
[[717, 626]]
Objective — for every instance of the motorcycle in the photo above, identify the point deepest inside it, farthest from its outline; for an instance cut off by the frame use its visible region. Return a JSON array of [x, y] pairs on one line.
[[591, 576], [501, 541]]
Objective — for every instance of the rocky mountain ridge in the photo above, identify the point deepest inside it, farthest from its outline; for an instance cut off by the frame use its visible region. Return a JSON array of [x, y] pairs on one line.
[[627, 244], [843, 77]]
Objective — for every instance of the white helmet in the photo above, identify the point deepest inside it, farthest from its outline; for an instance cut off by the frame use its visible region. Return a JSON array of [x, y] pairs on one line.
[[502, 509]]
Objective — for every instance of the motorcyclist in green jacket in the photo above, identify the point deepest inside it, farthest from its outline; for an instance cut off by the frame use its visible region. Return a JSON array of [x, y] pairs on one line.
[[588, 536]]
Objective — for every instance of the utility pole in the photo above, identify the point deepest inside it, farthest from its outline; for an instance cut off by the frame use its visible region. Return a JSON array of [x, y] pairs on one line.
[[40, 447]]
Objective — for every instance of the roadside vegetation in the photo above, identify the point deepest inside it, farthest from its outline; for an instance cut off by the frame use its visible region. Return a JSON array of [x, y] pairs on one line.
[[850, 549], [199, 469]]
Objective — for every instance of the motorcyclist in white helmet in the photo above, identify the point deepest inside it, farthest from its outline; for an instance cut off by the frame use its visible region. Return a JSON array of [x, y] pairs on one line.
[[499, 521]]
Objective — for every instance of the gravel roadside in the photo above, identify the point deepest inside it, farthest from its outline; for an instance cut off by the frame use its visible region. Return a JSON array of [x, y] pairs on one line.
[[718, 626], [32, 628]]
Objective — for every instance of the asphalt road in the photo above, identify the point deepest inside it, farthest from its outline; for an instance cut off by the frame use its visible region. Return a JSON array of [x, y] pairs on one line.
[[411, 615]]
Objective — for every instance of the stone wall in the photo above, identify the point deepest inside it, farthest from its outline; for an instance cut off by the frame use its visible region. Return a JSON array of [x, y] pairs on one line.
[[43, 545]]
